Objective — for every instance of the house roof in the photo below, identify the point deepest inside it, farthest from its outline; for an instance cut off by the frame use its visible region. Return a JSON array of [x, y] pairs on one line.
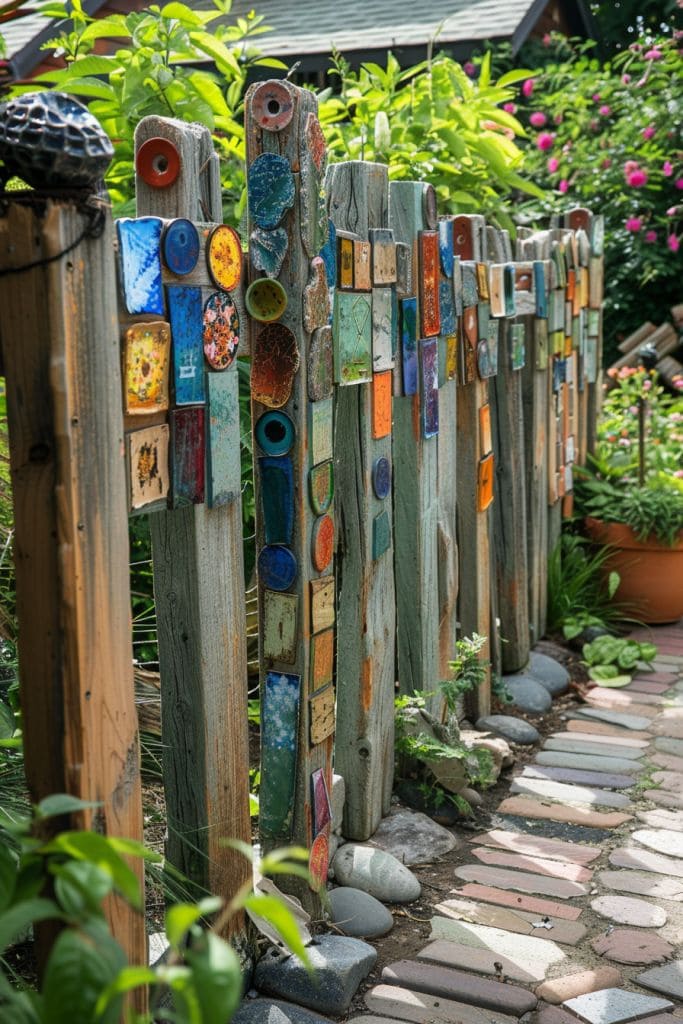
[[25, 36]]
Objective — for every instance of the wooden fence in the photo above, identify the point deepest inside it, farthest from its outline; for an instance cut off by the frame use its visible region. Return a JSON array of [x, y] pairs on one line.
[[420, 395]]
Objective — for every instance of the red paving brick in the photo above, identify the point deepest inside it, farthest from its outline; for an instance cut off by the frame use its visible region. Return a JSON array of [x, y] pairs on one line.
[[539, 865], [526, 807], [633, 946], [522, 842], [571, 985], [607, 739], [502, 898], [603, 729]]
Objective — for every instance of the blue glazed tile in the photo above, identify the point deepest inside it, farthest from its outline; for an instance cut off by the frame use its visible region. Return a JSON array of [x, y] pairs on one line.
[[277, 567], [224, 468], [539, 289], [518, 346], [457, 285], [429, 362], [446, 246], [268, 250], [381, 535], [180, 246], [509, 289], [277, 498], [185, 313], [470, 292], [447, 306], [381, 477], [140, 256], [409, 345], [280, 703], [270, 186], [328, 254]]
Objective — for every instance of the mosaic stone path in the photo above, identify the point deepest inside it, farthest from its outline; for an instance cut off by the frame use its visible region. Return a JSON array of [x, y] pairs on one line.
[[572, 910]]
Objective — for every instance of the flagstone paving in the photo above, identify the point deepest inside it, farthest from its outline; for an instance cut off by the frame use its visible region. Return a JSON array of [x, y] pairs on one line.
[[569, 908]]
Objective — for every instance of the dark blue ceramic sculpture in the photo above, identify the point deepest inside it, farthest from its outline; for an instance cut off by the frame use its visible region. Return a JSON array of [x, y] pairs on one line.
[[50, 140]]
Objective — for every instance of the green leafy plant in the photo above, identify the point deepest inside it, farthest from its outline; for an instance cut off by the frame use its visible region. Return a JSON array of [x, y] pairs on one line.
[[580, 591], [611, 659], [469, 671]]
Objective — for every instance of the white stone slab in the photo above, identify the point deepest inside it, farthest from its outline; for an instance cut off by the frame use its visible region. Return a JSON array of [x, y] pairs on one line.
[[568, 793], [615, 1006]]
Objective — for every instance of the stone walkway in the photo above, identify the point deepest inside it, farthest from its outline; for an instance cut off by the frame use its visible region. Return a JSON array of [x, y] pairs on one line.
[[571, 909]]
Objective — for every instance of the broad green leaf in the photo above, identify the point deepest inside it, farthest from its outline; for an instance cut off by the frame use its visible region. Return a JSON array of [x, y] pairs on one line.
[[77, 973], [98, 850], [512, 77], [648, 652], [80, 885], [224, 58], [180, 917], [271, 62], [485, 72], [181, 13], [216, 977], [613, 581], [128, 978], [8, 874], [209, 89], [18, 918], [113, 27], [62, 803], [616, 682], [599, 672], [274, 911]]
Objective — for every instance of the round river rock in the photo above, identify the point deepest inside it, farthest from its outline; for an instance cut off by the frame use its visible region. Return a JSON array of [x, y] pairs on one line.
[[510, 728], [358, 913], [549, 673], [375, 872], [528, 694]]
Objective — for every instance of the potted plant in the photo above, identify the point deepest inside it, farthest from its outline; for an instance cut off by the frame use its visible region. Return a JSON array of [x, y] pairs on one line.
[[631, 494]]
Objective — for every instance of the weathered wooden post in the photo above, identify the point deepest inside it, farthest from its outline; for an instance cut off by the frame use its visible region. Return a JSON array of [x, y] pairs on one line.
[[293, 412], [357, 198], [197, 547], [413, 219], [474, 445], [59, 331]]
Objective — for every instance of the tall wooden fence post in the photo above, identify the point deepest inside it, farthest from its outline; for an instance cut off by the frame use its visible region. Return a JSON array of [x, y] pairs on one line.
[[293, 422], [199, 592], [58, 324], [357, 196]]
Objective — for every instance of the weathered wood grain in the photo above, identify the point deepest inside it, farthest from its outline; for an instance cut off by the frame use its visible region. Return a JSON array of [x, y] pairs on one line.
[[199, 593], [60, 346], [357, 197], [416, 507]]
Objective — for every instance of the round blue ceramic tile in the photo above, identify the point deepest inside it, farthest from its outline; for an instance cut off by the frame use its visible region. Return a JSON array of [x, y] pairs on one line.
[[275, 432], [381, 477], [180, 246], [277, 567]]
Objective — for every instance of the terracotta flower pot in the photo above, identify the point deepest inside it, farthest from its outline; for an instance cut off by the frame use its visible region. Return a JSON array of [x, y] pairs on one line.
[[651, 573]]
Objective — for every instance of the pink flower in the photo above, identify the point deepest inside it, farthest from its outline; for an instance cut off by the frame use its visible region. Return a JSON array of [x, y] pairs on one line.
[[637, 178], [527, 87], [679, 184], [653, 54], [641, 82], [648, 132], [606, 163], [625, 79], [650, 236], [636, 47], [604, 110], [667, 168], [629, 166], [469, 69], [545, 141], [634, 224], [564, 185], [538, 119], [647, 384], [596, 97], [510, 108], [673, 242], [553, 164], [672, 211], [547, 39]]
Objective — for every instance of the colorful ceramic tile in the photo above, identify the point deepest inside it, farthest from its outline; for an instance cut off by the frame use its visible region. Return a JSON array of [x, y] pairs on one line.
[[322, 542], [322, 659], [541, 344], [593, 323], [315, 142], [274, 363], [509, 283], [483, 320], [382, 329], [321, 487], [597, 234], [483, 281], [322, 603], [485, 483], [352, 333], [362, 268], [451, 356], [266, 300], [148, 466], [147, 350], [463, 237], [328, 254], [321, 430], [319, 862], [446, 246], [518, 346], [429, 365], [312, 205], [277, 568], [322, 715], [320, 800], [446, 306], [429, 207], [281, 695], [316, 297], [221, 331], [267, 250], [383, 256], [187, 456], [185, 313], [497, 289], [180, 246], [442, 359], [408, 309], [381, 404], [469, 360], [540, 289], [277, 498], [381, 477], [271, 191], [320, 371], [591, 360], [485, 444], [272, 106], [224, 475], [140, 261], [224, 257], [570, 449], [493, 335], [404, 274], [428, 246], [525, 300], [470, 294], [484, 367], [470, 322], [279, 629], [157, 162], [345, 261], [274, 432], [381, 535]]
